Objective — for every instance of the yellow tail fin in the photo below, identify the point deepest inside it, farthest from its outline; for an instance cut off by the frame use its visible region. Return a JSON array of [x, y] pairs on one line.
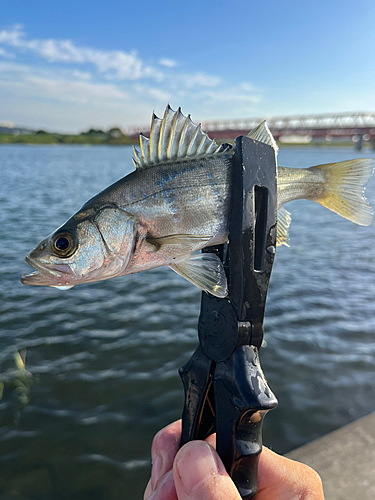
[[344, 189]]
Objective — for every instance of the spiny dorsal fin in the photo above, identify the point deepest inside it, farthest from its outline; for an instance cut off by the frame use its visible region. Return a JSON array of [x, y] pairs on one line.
[[173, 137], [262, 133], [154, 137]]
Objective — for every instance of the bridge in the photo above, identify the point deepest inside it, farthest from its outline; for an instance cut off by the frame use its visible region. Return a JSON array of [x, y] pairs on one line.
[[358, 127]]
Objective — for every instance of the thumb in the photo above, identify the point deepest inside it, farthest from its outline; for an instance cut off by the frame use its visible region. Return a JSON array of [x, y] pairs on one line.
[[199, 474]]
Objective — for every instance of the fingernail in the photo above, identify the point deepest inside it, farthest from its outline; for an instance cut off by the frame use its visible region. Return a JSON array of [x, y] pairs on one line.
[[157, 470], [152, 496], [165, 488], [196, 464]]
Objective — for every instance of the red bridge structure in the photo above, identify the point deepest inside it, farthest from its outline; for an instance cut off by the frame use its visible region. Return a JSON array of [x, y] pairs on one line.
[[358, 127]]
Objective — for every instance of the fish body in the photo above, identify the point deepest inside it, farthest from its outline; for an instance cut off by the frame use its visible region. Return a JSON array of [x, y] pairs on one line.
[[153, 217], [176, 203], [187, 198]]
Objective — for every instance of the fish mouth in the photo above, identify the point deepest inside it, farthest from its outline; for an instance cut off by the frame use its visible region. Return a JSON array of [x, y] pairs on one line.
[[53, 275]]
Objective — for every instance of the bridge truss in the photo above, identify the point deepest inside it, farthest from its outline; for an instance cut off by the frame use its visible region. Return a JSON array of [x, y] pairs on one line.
[[328, 126], [316, 126]]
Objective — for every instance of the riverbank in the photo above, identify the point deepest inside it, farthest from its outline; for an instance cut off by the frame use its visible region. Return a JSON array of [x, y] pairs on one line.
[[344, 459], [123, 140], [92, 137]]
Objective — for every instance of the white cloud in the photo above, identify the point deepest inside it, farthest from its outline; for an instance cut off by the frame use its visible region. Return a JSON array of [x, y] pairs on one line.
[[82, 75], [68, 117], [114, 64], [202, 80], [232, 94], [247, 87], [11, 37], [65, 87], [158, 94], [87, 87], [243, 92], [75, 91], [10, 67], [6, 54], [169, 63]]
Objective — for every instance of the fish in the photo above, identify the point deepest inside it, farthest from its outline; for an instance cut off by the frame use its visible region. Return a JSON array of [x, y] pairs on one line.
[[177, 202]]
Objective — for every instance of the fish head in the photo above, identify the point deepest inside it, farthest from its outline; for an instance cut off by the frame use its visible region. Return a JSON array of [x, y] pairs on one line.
[[92, 245]]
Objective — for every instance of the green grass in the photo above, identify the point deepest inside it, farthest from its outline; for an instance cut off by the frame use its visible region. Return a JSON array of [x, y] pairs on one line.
[[46, 138]]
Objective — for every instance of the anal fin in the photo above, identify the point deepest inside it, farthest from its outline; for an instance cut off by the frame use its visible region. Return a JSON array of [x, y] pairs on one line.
[[283, 222], [205, 271]]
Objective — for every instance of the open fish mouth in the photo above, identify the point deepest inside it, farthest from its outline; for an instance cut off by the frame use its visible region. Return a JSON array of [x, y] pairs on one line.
[[57, 275]]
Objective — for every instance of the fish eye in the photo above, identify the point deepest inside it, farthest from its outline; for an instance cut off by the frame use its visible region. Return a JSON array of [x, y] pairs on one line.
[[64, 244]]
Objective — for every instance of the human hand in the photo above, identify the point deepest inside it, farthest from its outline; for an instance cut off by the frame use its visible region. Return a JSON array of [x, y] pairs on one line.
[[195, 472]]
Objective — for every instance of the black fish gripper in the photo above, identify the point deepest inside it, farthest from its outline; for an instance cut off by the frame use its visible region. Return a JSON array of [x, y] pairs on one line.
[[225, 389]]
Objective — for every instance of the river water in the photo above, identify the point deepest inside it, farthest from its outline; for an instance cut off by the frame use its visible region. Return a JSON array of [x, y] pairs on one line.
[[103, 358]]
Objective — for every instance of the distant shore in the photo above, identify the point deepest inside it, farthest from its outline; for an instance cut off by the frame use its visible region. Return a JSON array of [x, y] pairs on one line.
[[108, 139], [114, 137]]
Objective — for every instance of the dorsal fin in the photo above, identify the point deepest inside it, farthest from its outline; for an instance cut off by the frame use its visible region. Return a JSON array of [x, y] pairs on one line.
[[262, 133], [174, 137], [154, 137]]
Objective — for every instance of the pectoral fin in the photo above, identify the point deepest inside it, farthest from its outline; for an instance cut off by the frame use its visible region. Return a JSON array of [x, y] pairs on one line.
[[205, 271], [184, 243], [178, 239]]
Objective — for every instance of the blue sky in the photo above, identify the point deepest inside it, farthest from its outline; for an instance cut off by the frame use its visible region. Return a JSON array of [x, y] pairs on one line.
[[67, 66]]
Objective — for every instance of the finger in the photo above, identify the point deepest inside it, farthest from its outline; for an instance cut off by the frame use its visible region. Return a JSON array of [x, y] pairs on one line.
[[148, 490], [211, 440], [199, 474], [163, 450], [282, 478], [165, 489]]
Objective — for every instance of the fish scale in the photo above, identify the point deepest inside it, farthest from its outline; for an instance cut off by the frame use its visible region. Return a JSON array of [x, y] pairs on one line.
[[176, 203]]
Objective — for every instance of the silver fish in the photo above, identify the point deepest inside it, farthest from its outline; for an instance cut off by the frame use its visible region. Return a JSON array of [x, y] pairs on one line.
[[176, 203]]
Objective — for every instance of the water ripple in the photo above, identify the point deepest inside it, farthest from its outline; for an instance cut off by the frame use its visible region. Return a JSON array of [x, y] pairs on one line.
[[104, 357]]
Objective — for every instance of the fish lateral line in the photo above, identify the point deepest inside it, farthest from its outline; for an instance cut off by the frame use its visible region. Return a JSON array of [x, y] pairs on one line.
[[150, 219]]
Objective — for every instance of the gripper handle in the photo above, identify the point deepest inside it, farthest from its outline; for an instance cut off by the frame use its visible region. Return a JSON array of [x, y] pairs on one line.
[[242, 399], [248, 443]]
